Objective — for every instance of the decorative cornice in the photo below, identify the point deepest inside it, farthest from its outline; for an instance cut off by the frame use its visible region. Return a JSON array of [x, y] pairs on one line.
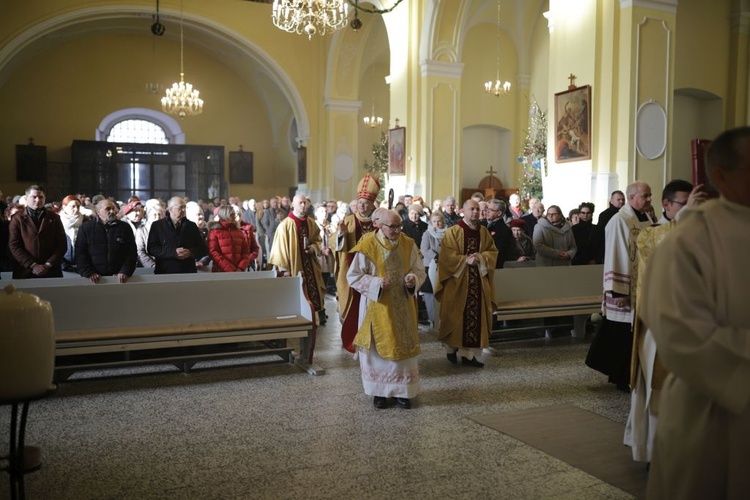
[[343, 105], [663, 5], [440, 68]]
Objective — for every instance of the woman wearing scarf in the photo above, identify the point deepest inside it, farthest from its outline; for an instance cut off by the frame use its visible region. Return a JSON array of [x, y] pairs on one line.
[[430, 249], [553, 240], [72, 219]]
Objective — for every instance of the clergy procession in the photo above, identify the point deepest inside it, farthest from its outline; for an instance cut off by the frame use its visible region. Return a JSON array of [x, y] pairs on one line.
[[673, 330]]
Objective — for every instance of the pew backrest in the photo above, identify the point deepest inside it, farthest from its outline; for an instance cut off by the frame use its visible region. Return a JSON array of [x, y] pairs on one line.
[[538, 283]]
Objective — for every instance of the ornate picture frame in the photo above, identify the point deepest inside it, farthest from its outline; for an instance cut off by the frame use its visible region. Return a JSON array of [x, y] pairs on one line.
[[397, 151], [301, 165], [573, 125], [240, 167]]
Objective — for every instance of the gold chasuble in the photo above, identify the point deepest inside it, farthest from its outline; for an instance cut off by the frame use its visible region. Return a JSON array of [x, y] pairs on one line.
[[647, 241], [465, 295], [392, 319], [287, 253], [356, 227]]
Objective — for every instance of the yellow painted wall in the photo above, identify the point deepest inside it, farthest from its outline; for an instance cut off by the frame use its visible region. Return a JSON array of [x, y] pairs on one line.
[[480, 108], [539, 51], [581, 44], [446, 180], [702, 45], [372, 83], [85, 71]]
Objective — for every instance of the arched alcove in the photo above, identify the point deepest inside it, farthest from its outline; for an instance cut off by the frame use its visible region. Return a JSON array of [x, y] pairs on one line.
[[697, 114], [485, 146]]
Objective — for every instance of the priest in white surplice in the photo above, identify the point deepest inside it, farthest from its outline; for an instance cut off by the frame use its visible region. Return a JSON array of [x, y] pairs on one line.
[[696, 304], [387, 271], [647, 374], [611, 348]]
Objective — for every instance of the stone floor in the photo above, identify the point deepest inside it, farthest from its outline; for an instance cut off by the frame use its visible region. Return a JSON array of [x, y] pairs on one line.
[[273, 431]]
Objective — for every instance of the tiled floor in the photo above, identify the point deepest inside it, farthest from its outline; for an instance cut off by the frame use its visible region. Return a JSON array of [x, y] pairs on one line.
[[272, 431]]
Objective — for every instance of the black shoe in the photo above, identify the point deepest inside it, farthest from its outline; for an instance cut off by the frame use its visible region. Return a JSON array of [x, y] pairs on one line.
[[32, 458], [452, 357], [380, 402], [471, 362], [404, 403]]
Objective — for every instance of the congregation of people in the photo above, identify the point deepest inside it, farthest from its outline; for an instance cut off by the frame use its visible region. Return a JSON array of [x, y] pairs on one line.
[[386, 266]]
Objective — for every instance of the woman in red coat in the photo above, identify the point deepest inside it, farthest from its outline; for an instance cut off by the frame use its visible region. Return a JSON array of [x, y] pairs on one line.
[[227, 244]]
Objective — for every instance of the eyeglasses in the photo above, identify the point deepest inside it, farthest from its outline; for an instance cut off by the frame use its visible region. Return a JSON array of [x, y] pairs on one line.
[[681, 203], [394, 227], [550, 214]]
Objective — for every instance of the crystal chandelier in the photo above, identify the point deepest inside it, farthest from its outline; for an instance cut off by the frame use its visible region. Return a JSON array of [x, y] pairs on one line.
[[310, 16], [498, 87], [182, 99]]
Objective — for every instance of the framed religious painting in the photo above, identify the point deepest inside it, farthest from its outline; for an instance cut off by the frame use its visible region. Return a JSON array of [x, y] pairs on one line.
[[240, 167], [573, 125], [397, 151], [301, 165]]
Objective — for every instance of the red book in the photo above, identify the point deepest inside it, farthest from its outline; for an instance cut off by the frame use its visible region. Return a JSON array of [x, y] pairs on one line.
[[698, 148]]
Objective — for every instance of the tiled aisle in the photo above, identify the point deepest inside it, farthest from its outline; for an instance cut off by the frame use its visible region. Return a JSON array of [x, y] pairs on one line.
[[273, 431]]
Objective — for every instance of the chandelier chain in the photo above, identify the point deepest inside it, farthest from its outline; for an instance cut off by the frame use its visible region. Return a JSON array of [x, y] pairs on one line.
[[182, 99], [182, 22], [498, 87], [373, 120], [498, 40]]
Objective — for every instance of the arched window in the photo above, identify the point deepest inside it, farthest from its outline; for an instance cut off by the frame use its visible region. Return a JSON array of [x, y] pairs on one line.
[[131, 123], [137, 130]]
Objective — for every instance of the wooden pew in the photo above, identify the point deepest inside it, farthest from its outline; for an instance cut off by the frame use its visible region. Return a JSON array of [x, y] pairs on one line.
[[178, 319], [542, 292]]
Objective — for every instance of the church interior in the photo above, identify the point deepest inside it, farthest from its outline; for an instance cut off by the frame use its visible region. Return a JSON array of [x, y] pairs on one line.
[[655, 75]]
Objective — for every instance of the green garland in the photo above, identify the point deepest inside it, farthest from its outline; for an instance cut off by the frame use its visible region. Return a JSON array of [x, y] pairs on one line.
[[355, 4]]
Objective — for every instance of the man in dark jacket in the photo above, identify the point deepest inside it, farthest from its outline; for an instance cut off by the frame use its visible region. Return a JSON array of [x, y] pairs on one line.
[[536, 208], [36, 239], [175, 242], [105, 246], [616, 201], [500, 232]]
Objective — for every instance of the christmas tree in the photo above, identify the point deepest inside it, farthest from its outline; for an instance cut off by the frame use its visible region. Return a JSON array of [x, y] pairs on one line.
[[379, 166], [534, 153]]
